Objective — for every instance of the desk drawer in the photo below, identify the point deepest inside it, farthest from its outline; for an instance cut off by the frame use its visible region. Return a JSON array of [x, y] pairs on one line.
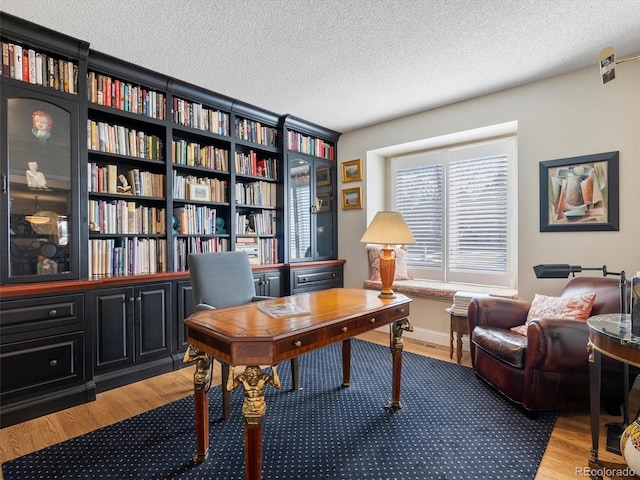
[[304, 342], [39, 313]]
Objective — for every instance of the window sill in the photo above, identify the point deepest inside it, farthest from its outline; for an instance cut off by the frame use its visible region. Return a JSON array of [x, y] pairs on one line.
[[440, 290]]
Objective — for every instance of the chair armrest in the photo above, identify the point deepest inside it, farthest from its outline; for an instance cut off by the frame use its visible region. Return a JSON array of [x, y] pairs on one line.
[[557, 345], [202, 307], [257, 298], [497, 312]]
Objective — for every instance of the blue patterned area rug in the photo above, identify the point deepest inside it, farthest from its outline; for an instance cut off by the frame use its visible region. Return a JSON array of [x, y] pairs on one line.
[[451, 426]]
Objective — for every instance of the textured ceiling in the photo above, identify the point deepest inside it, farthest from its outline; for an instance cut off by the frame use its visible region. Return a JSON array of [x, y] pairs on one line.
[[346, 64]]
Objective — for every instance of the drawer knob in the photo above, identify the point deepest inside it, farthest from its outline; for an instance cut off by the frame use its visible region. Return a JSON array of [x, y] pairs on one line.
[[131, 299], [344, 329], [53, 363], [297, 343], [372, 320], [53, 312]]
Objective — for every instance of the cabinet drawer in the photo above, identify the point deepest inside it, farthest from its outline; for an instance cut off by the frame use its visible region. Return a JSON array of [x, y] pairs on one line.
[[306, 279], [37, 365], [28, 314]]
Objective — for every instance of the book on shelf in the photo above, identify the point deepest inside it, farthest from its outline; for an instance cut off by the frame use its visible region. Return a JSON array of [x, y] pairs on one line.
[[112, 179], [249, 245]]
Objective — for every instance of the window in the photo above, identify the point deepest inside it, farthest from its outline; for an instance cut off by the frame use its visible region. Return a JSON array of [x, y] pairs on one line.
[[459, 203]]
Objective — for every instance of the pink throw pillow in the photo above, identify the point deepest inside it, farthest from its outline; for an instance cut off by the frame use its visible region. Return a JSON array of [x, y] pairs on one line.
[[401, 263], [576, 308]]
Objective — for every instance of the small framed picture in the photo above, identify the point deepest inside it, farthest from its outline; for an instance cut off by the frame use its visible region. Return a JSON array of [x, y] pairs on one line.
[[323, 201], [352, 171], [201, 193], [323, 176], [351, 198]]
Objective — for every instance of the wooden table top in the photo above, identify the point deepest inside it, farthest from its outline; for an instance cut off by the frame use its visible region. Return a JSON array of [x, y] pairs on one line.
[[245, 334]]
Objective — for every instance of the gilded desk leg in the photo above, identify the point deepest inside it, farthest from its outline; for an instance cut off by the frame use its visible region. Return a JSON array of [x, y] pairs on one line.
[[397, 346], [254, 407], [346, 362], [201, 384], [595, 361]]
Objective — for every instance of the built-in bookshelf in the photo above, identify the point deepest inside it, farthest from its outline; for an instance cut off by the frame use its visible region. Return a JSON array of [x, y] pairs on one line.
[[37, 67], [317, 147], [127, 170], [201, 173], [198, 116], [138, 171], [125, 96], [256, 132]]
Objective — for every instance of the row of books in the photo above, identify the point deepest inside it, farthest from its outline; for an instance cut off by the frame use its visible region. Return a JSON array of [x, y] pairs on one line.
[[310, 145], [122, 217], [121, 140], [261, 251], [249, 164], [195, 219], [256, 193], [32, 66], [182, 247], [248, 245], [253, 131], [108, 179], [127, 256], [217, 189], [195, 155], [103, 90], [194, 115], [263, 223]]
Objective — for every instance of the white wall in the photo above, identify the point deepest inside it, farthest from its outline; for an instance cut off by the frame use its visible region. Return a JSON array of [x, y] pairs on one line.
[[566, 116]]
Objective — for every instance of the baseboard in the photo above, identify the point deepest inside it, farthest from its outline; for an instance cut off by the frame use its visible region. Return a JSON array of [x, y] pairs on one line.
[[430, 336]]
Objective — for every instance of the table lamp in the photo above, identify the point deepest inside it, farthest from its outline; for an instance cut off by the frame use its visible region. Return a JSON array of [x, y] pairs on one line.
[[388, 228]]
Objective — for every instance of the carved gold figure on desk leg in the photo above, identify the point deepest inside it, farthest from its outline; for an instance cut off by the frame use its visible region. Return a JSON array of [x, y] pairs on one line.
[[254, 381]]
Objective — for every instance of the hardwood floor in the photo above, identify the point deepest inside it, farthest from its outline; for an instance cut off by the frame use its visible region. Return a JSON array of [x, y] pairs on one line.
[[566, 454]]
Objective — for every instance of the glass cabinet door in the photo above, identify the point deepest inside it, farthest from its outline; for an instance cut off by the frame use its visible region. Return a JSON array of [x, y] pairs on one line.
[[325, 212], [312, 209], [42, 150], [300, 209]]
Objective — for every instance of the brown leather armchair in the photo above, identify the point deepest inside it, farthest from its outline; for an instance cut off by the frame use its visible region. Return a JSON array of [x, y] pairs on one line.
[[548, 368]]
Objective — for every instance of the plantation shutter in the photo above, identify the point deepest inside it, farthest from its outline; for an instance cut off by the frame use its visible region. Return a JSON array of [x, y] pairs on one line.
[[458, 203], [478, 215], [419, 194]]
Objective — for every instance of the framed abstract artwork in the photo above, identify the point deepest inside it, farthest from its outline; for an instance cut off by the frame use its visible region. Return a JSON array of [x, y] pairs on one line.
[[580, 193]]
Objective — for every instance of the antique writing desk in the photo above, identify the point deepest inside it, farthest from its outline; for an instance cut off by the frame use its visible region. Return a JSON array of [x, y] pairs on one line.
[[246, 335]]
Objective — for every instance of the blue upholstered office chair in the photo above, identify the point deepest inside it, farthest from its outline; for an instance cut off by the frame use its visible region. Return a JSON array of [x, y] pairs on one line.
[[225, 279]]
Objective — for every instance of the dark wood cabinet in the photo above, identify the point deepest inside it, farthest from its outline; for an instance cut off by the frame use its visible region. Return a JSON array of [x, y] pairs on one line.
[[268, 283], [311, 217], [133, 333], [44, 361], [309, 278], [184, 308]]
